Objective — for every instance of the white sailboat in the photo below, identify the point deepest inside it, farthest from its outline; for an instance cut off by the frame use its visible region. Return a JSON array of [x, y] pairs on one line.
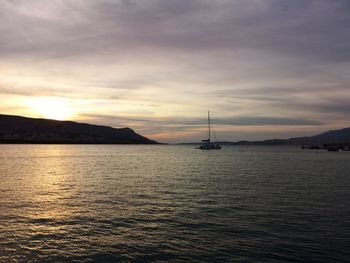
[[208, 144]]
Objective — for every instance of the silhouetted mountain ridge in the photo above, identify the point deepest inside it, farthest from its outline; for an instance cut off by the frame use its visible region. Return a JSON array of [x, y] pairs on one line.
[[330, 137], [17, 129]]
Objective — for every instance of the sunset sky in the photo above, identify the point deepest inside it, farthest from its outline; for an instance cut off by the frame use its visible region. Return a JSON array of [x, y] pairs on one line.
[[264, 68]]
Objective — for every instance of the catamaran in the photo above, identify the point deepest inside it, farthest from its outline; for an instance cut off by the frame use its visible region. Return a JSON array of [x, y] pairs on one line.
[[207, 144]]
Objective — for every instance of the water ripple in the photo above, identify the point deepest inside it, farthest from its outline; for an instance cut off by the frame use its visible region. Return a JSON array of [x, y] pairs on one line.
[[96, 203]]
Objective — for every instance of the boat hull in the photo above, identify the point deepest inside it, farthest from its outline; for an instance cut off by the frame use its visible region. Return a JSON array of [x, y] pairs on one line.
[[209, 147]]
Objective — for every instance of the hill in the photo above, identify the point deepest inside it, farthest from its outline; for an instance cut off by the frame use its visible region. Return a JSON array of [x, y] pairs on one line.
[[341, 136], [17, 129]]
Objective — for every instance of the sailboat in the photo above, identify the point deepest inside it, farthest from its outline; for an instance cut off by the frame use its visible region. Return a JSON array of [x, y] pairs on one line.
[[207, 144]]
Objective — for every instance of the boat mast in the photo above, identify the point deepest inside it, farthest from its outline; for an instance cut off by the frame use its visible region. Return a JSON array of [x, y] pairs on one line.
[[209, 125]]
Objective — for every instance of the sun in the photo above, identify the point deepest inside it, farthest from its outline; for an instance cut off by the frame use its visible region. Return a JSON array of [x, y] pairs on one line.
[[52, 108]]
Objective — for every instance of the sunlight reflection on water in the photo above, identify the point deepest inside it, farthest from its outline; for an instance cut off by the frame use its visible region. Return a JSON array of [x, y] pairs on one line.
[[146, 203]]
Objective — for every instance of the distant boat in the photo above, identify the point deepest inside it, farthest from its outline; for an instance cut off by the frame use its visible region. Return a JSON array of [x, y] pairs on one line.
[[332, 149], [207, 144], [346, 148]]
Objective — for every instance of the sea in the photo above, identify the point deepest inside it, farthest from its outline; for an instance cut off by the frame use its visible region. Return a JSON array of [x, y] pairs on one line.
[[173, 203]]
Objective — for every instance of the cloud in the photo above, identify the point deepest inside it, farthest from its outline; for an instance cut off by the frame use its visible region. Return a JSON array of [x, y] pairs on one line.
[[253, 63], [299, 28], [183, 121]]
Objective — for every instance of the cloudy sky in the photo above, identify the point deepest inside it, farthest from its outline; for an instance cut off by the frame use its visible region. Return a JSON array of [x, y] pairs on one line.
[[264, 68]]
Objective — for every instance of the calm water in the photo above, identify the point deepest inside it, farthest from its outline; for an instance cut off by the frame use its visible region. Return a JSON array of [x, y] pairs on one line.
[[85, 203]]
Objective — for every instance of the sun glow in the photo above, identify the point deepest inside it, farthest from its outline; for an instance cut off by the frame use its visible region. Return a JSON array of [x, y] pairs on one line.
[[52, 108]]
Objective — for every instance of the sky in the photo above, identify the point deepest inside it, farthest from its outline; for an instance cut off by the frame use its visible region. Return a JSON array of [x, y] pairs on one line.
[[264, 68]]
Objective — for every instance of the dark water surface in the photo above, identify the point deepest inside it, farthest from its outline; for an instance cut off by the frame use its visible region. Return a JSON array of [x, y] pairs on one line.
[[110, 203]]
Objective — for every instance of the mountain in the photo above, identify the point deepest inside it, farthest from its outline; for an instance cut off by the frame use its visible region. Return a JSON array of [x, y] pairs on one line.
[[341, 136], [16, 129]]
